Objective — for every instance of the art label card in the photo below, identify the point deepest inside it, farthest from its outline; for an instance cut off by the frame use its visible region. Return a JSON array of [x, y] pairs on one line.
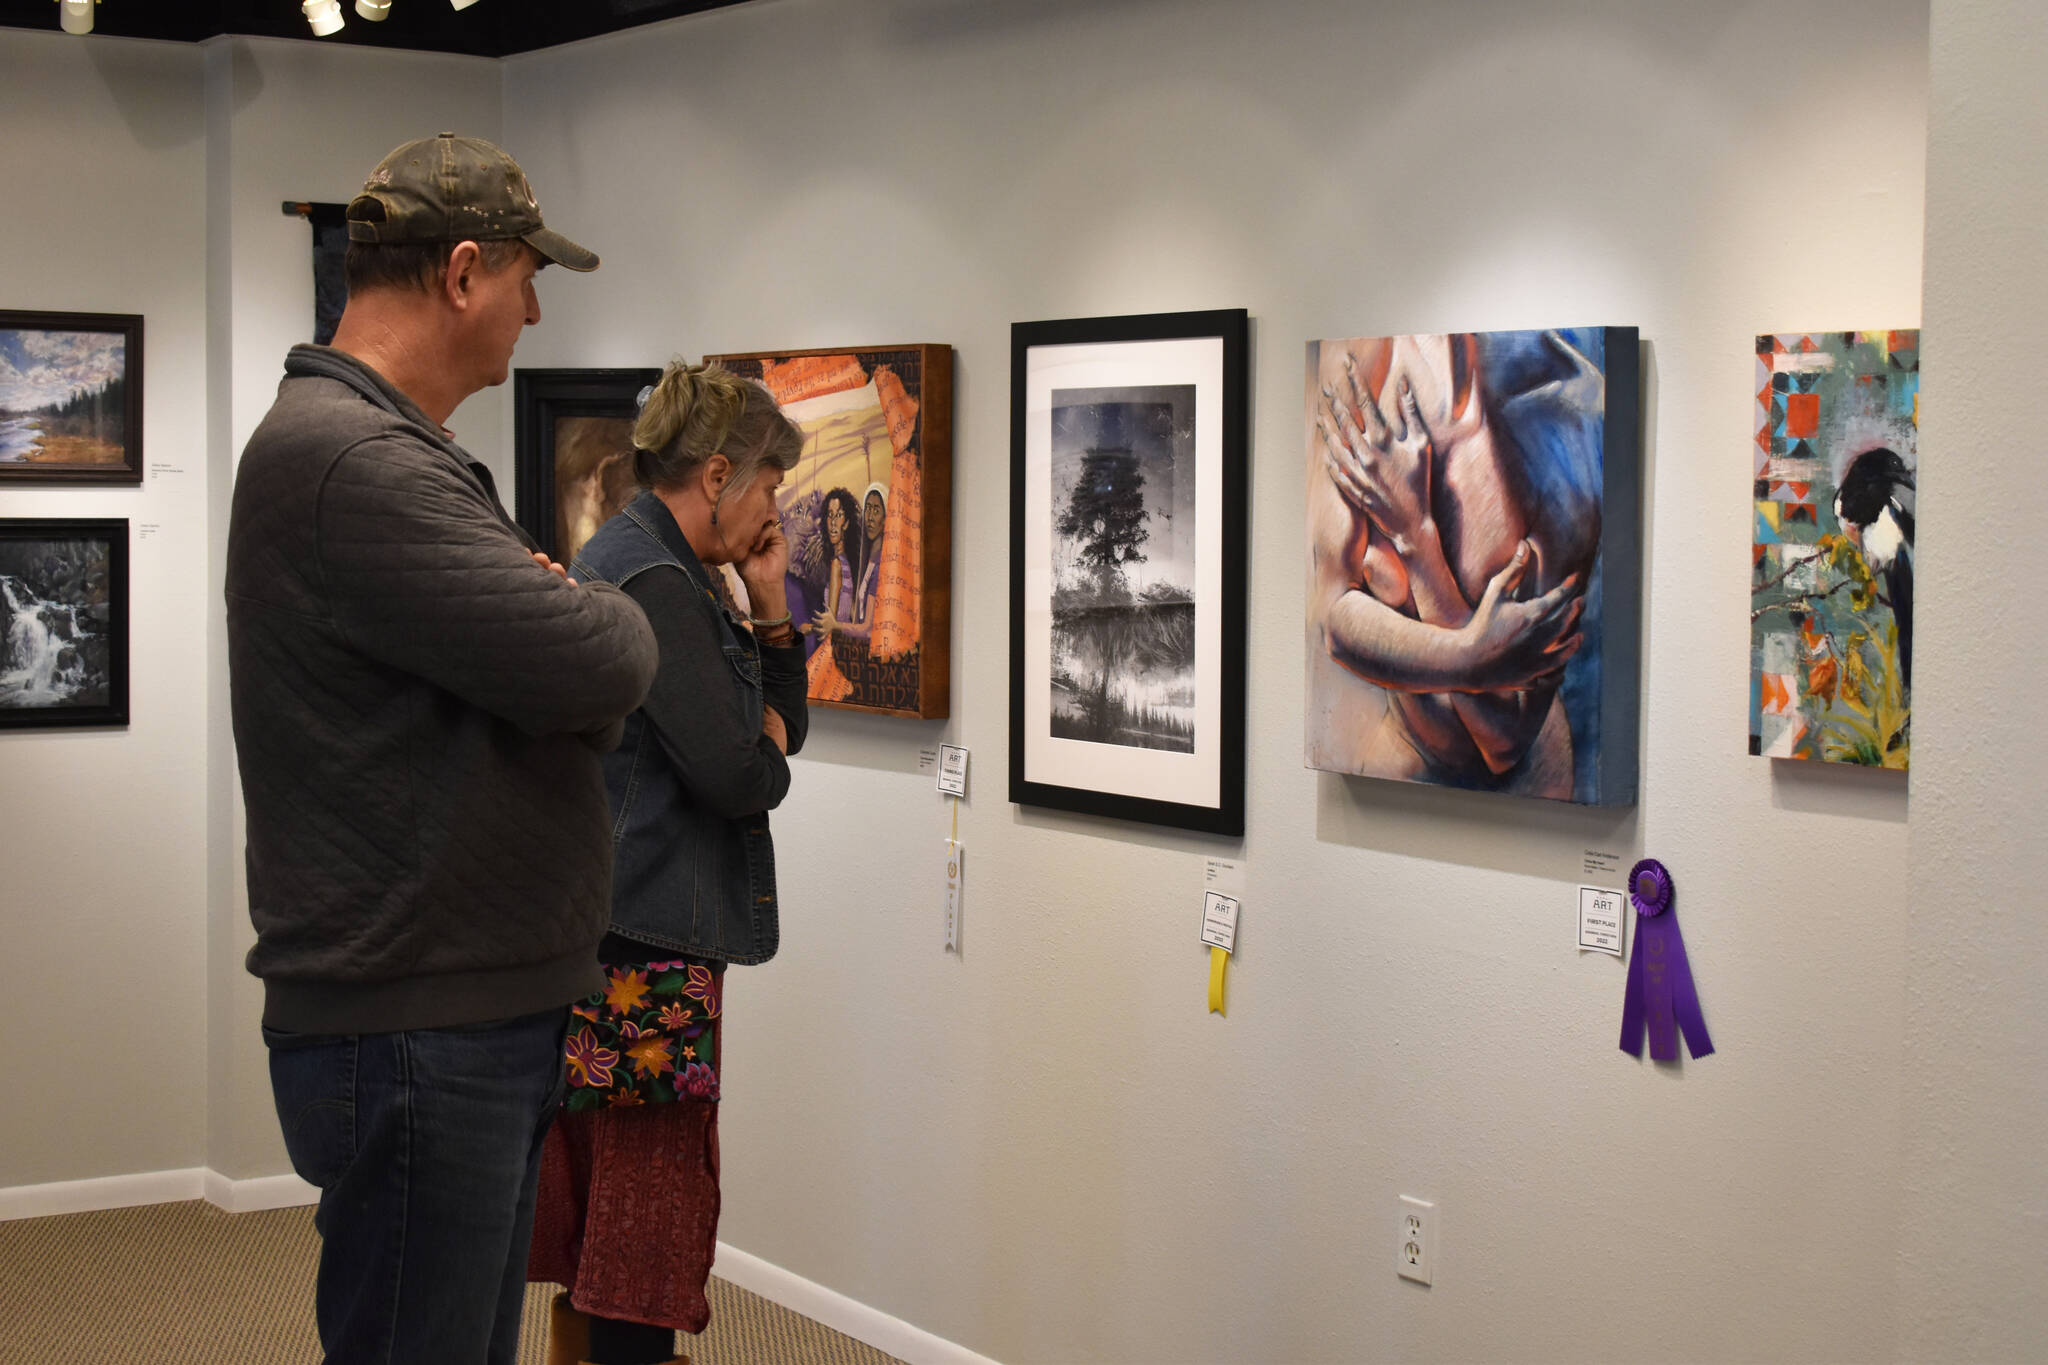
[[1600, 919], [1219, 920], [953, 769], [1473, 559], [1836, 462]]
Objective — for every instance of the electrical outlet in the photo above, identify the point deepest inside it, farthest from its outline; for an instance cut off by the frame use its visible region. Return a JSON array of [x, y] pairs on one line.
[[1415, 1240]]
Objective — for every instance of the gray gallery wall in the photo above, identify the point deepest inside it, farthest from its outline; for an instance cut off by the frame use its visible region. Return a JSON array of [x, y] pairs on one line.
[[1046, 1149], [103, 833], [1973, 1220]]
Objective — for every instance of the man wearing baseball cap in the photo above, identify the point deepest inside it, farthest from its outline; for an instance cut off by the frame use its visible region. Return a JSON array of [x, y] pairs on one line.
[[419, 701]]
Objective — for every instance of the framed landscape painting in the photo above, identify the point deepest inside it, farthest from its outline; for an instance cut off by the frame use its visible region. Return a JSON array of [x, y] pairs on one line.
[[868, 515], [1127, 567], [1837, 463], [63, 622], [70, 397], [573, 451], [1474, 561]]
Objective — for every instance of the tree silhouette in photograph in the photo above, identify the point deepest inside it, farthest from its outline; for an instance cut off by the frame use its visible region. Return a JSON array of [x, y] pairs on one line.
[[1105, 515], [1101, 618]]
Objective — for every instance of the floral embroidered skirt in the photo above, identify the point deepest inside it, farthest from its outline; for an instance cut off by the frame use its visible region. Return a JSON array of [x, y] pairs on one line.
[[627, 1214]]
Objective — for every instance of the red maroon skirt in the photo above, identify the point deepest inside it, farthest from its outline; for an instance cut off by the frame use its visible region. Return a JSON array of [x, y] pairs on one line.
[[627, 1216]]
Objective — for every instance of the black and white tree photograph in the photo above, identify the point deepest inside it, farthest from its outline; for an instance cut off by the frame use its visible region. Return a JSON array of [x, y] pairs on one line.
[[1123, 566], [1128, 483]]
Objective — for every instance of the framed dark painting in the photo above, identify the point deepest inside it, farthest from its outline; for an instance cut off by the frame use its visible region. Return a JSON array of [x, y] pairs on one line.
[[1127, 567], [70, 397], [868, 512], [63, 622], [573, 451]]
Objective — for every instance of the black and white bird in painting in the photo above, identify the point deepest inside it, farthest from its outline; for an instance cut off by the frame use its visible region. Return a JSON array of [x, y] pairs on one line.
[[1869, 507]]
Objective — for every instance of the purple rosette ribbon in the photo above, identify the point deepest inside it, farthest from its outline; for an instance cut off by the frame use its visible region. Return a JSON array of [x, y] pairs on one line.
[[1660, 992]]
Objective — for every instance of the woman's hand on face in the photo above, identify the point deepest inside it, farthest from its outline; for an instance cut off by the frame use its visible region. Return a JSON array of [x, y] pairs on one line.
[[762, 568]]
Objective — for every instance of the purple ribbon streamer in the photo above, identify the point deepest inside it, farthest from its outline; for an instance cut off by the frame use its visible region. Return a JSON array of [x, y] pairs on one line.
[[1660, 991]]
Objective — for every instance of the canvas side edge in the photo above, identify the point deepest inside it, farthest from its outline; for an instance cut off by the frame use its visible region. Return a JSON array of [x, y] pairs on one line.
[[1623, 569]]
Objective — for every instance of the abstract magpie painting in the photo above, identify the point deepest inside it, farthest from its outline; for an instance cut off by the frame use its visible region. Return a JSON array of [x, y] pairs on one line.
[[1836, 464]]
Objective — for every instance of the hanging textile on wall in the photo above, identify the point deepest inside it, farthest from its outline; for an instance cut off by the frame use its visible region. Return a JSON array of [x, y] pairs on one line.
[[330, 249]]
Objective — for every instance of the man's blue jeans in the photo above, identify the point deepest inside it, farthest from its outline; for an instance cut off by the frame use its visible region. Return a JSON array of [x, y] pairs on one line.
[[426, 1148]]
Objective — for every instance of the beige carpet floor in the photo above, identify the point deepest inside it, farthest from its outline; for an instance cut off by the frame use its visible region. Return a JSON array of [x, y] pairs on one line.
[[186, 1284]]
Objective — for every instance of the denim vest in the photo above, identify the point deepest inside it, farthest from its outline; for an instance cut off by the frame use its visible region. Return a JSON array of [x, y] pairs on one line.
[[682, 877]]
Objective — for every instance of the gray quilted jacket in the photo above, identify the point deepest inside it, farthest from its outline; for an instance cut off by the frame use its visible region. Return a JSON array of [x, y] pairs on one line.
[[418, 710]]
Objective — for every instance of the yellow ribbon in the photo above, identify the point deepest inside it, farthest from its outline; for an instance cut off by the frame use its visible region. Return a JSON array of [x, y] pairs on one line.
[[1218, 960]]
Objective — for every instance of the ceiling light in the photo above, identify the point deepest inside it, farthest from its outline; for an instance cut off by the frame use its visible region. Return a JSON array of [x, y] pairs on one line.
[[460, 4], [75, 15], [374, 10], [324, 16]]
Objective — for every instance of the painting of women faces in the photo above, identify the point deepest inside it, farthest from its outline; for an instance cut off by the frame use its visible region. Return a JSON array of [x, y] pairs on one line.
[[867, 512], [1836, 462], [1474, 562]]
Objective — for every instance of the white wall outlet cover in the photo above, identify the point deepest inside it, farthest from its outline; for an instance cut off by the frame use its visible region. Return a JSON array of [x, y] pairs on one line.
[[1415, 1240]]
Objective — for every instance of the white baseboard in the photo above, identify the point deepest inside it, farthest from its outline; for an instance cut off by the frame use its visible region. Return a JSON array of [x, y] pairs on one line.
[[155, 1187], [263, 1192], [840, 1313], [108, 1192]]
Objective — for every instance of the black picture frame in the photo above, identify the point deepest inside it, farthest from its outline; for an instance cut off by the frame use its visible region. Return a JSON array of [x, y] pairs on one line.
[[96, 409], [63, 622], [542, 400], [1057, 757]]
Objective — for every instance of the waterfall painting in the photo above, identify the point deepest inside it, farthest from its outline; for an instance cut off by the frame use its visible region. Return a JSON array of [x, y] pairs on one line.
[[70, 398], [1127, 578], [63, 622]]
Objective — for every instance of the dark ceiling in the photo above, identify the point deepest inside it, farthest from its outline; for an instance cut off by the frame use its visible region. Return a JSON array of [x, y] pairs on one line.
[[488, 28]]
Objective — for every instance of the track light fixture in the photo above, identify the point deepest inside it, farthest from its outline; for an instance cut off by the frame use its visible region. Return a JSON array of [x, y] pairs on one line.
[[460, 4], [323, 16], [374, 10], [75, 15]]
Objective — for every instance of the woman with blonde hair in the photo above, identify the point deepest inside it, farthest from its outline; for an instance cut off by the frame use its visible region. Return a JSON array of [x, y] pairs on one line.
[[628, 1207]]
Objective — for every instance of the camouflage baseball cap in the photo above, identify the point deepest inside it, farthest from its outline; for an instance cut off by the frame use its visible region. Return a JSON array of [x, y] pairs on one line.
[[456, 189]]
